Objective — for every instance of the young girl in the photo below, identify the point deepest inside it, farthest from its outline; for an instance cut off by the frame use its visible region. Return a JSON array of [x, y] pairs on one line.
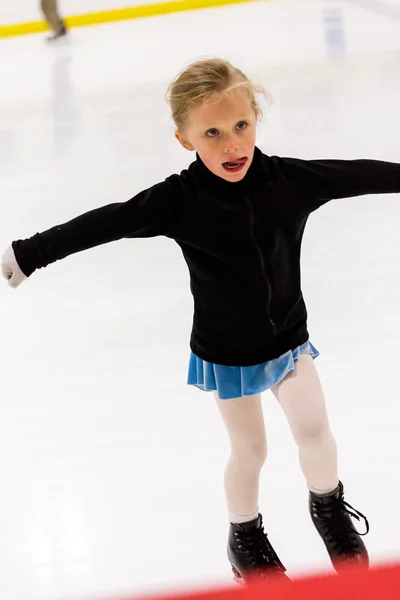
[[238, 217]]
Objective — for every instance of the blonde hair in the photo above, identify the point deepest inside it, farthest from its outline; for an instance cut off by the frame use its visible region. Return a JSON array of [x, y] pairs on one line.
[[203, 79]]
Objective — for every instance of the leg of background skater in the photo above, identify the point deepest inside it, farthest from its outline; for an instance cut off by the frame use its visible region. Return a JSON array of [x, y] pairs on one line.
[[301, 398], [249, 550], [50, 12]]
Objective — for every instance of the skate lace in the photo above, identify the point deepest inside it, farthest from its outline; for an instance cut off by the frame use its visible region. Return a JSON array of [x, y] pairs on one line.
[[340, 528], [260, 552]]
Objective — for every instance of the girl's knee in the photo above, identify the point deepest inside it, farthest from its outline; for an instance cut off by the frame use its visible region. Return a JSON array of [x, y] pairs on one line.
[[314, 432], [252, 453]]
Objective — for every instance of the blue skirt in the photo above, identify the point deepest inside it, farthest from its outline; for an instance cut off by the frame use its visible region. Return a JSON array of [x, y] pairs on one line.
[[236, 382]]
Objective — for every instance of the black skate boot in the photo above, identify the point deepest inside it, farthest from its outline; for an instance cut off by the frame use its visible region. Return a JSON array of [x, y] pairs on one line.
[[331, 517], [251, 554], [58, 34]]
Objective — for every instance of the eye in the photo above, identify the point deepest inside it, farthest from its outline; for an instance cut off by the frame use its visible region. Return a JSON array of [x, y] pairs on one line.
[[241, 125], [212, 132]]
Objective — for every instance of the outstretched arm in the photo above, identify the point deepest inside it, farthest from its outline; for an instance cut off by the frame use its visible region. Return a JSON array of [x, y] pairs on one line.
[[324, 180], [150, 213]]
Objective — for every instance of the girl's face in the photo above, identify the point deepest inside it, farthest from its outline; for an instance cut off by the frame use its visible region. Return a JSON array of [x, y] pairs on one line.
[[223, 132]]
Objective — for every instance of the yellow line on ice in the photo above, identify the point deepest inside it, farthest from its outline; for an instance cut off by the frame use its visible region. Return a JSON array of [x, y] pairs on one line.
[[120, 14]]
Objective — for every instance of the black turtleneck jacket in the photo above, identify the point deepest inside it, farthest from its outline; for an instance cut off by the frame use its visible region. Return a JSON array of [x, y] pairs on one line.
[[241, 242]]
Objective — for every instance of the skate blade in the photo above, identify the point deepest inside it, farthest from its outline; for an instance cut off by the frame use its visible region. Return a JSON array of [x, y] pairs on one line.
[[237, 578]]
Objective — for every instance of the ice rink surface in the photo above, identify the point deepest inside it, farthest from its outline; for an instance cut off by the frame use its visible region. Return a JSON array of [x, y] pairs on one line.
[[110, 466]]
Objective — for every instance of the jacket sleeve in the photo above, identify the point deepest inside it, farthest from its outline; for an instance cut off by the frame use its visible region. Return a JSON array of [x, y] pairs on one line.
[[322, 180], [150, 213]]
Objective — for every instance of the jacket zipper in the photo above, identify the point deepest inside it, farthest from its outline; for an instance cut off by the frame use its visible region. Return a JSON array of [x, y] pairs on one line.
[[262, 263]]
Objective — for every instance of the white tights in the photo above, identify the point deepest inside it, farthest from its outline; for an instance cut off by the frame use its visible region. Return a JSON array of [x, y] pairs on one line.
[[301, 398]]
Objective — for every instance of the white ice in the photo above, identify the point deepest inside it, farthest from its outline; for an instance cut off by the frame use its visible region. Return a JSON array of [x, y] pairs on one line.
[[110, 466]]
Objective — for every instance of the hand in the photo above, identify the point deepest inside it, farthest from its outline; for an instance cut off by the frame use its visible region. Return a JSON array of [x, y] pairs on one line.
[[10, 268]]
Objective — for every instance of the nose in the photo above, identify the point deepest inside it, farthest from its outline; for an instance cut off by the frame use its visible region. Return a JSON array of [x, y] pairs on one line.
[[232, 145]]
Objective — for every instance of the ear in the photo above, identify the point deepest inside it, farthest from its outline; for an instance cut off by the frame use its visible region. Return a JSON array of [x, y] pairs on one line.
[[183, 141]]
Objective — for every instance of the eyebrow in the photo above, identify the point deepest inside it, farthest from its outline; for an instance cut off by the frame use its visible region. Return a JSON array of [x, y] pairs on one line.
[[245, 118]]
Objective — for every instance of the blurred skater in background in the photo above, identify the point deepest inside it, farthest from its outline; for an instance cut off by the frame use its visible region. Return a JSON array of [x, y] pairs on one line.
[[50, 12]]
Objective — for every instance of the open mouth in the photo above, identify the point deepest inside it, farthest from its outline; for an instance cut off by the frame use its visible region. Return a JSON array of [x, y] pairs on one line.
[[235, 166]]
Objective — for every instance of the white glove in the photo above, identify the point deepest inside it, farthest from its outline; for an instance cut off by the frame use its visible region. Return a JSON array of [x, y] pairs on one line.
[[11, 269]]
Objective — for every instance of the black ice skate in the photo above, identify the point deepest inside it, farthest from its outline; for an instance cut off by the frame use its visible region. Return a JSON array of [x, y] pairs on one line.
[[331, 517], [251, 554], [58, 34]]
